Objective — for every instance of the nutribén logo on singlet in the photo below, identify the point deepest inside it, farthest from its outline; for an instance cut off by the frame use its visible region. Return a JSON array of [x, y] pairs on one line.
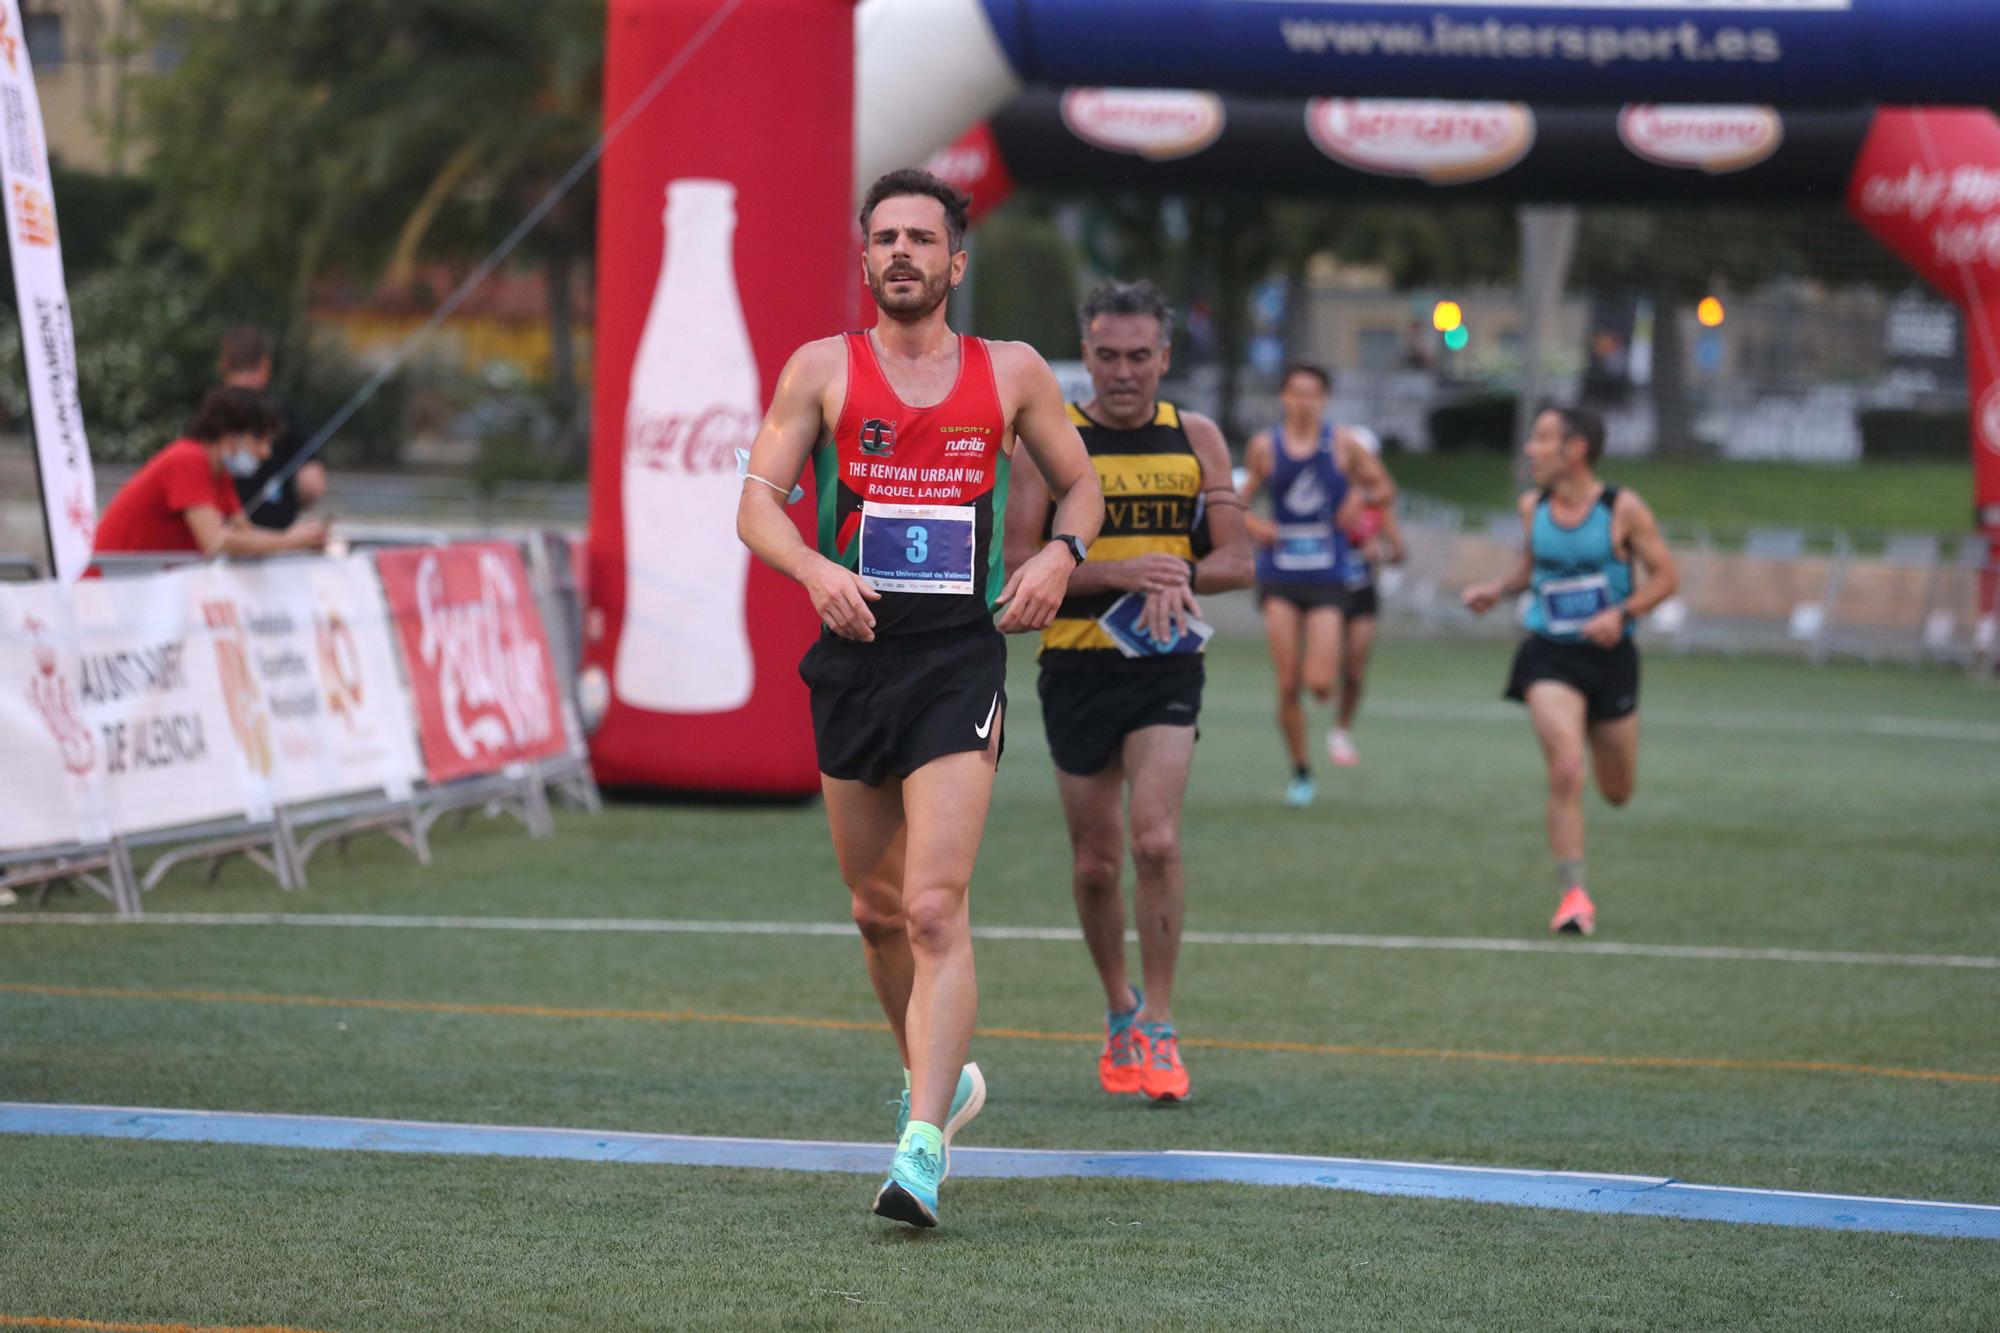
[[684, 646]]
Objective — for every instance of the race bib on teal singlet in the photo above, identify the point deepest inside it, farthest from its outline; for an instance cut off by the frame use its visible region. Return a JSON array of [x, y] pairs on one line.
[[917, 548], [1303, 546], [1568, 603]]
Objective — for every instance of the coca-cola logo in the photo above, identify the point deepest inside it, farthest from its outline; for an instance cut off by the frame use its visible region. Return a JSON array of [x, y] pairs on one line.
[[49, 691], [696, 443], [963, 164], [1158, 124], [1443, 143], [488, 667], [1989, 418], [1976, 241], [1917, 193], [1714, 139]]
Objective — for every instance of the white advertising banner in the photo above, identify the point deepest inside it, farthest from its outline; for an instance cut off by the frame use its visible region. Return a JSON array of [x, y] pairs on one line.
[[307, 666], [51, 790], [69, 490], [126, 728]]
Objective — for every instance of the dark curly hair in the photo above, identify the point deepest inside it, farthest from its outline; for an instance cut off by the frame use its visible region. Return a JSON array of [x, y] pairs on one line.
[[915, 180], [230, 410]]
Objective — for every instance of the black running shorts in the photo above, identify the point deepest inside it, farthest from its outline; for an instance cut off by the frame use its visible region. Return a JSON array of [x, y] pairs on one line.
[[1360, 602], [1088, 714], [892, 706], [1607, 678], [1304, 596]]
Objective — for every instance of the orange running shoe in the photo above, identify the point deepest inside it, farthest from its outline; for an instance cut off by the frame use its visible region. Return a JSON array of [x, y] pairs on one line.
[[1163, 1077], [1118, 1067], [1576, 915]]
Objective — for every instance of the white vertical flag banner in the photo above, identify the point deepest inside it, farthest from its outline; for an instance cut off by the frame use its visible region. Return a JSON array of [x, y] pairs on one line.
[[69, 491]]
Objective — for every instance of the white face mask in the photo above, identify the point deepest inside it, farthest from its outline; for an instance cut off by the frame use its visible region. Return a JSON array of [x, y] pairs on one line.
[[240, 462]]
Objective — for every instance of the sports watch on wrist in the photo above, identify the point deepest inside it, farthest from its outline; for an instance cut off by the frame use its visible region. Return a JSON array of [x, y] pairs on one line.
[[1077, 551]]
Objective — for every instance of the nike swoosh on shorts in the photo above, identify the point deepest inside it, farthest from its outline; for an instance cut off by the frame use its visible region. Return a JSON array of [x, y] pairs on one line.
[[986, 726]]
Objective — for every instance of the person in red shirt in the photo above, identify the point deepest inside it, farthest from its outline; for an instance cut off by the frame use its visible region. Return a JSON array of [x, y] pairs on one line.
[[184, 498]]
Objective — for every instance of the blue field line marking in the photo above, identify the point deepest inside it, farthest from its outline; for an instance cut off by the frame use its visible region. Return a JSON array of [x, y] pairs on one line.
[[1569, 1191]]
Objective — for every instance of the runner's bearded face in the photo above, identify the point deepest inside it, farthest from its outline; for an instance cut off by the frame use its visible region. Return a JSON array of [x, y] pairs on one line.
[[1126, 358], [909, 262]]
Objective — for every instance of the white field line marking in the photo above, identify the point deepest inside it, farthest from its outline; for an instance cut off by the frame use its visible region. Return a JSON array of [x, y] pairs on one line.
[[1883, 724], [1043, 934]]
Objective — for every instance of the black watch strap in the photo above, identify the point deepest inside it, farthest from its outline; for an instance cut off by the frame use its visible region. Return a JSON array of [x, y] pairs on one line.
[[1077, 551]]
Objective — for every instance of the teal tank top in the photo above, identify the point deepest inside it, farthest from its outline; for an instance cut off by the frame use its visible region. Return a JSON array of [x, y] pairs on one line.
[[1577, 570]]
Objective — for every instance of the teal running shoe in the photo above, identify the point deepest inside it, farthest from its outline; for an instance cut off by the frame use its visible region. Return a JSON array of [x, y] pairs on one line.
[[1300, 793], [910, 1194], [966, 1102]]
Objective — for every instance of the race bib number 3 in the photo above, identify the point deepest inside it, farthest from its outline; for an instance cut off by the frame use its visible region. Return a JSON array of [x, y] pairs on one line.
[[1568, 603], [917, 548]]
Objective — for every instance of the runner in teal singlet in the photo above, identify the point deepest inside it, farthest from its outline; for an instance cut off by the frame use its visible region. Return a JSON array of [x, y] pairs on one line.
[[1578, 669]]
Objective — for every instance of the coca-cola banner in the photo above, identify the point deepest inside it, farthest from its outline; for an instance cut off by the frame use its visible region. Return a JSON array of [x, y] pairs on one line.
[[725, 241], [113, 712], [476, 655], [1928, 184], [309, 674]]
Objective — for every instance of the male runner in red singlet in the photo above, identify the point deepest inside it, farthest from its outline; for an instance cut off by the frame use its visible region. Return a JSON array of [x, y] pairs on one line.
[[912, 429]]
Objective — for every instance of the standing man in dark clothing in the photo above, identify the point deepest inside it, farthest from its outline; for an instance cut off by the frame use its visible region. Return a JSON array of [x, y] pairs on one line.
[[245, 363]]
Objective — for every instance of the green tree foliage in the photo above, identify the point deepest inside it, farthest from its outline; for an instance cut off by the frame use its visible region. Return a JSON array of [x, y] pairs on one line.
[[299, 138], [1024, 283], [1675, 256], [1222, 246]]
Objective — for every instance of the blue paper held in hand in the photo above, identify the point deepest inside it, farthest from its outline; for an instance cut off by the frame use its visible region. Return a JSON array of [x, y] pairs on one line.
[[1121, 622]]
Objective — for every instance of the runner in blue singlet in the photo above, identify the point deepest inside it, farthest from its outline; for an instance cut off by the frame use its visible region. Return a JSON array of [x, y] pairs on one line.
[[1318, 478]]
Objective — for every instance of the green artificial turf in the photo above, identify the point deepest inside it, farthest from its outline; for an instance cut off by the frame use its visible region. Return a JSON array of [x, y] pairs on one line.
[[1779, 807]]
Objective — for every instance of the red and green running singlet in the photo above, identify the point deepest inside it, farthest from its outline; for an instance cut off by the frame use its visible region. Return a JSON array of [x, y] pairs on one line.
[[912, 498]]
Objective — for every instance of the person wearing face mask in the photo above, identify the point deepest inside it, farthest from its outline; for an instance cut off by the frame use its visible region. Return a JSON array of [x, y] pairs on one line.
[[184, 498]]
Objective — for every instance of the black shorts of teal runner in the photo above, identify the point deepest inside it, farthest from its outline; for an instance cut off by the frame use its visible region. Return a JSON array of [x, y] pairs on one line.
[[888, 708], [1607, 678], [1088, 714], [1304, 596]]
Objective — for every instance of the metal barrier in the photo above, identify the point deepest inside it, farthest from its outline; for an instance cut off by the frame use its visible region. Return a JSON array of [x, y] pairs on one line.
[[1813, 594]]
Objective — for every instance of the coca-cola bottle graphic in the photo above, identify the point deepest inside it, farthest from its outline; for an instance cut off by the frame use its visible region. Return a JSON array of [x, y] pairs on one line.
[[685, 643]]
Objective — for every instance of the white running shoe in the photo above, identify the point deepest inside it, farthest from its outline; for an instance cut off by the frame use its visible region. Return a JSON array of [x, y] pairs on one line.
[[1340, 749]]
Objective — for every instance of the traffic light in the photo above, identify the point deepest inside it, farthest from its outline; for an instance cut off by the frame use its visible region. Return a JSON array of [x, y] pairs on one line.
[[1447, 317], [1456, 338], [1710, 313]]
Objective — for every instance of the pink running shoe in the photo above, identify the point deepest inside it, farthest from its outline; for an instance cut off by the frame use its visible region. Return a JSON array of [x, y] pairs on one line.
[[1577, 914]]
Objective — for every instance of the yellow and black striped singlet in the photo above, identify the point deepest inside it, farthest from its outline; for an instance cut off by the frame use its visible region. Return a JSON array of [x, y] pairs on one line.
[[1152, 489]]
